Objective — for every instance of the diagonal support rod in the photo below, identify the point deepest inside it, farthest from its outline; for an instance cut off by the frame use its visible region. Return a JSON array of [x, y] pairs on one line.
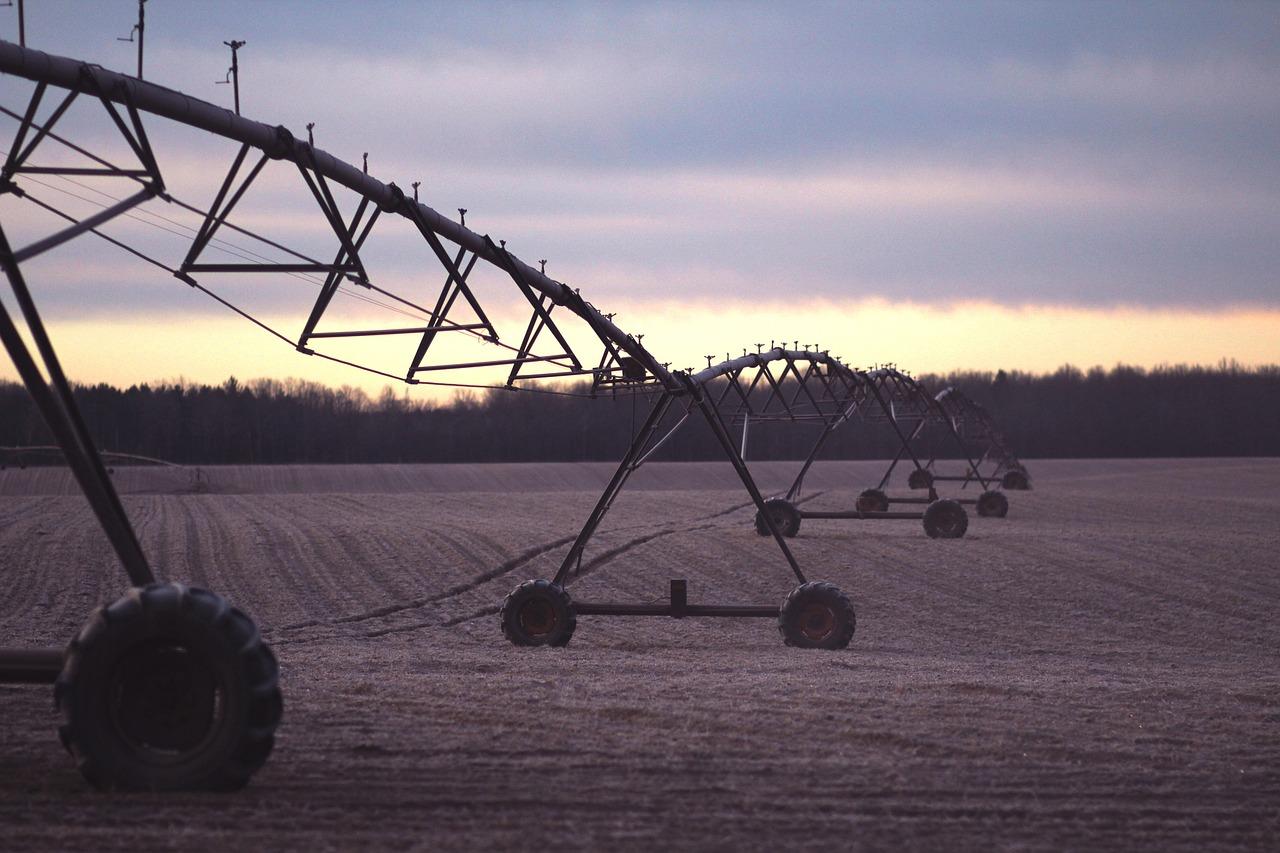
[[721, 433], [625, 469], [58, 408]]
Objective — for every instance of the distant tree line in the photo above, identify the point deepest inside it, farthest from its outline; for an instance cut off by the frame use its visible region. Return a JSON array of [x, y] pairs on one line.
[[1225, 410]]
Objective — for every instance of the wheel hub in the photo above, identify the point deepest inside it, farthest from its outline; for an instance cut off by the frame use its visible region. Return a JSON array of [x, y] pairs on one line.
[[163, 698], [537, 617], [817, 621]]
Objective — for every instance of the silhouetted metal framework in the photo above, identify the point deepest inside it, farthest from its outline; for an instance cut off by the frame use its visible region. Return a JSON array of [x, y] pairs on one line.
[[20, 455], [928, 424], [810, 385], [978, 430], [620, 364]]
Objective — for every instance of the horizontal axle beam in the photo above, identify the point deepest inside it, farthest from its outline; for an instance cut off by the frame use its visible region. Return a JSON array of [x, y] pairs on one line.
[[30, 666], [585, 609], [866, 516]]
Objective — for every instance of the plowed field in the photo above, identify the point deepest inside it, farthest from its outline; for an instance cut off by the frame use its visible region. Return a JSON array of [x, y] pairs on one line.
[[1100, 669]]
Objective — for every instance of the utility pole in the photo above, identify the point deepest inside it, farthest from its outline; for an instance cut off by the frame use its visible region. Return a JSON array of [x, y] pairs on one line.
[[233, 73], [139, 28]]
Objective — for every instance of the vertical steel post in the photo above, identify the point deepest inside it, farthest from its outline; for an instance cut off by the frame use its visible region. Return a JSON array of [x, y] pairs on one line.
[[235, 70]]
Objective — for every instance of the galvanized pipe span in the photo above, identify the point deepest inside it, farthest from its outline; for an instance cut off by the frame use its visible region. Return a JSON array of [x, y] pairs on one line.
[[776, 354], [279, 143]]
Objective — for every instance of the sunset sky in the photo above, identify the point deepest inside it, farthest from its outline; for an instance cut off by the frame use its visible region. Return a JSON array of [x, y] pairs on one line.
[[942, 186]]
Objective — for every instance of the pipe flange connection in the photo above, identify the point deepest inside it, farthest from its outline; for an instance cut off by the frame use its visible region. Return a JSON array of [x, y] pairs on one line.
[[287, 146], [398, 201]]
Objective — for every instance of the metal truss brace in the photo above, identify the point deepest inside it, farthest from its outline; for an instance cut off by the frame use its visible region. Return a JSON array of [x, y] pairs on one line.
[[721, 433], [334, 279], [542, 306], [573, 559], [218, 213], [58, 407]]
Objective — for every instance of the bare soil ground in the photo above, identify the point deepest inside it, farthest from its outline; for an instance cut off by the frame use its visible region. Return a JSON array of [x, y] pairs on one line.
[[1099, 670]]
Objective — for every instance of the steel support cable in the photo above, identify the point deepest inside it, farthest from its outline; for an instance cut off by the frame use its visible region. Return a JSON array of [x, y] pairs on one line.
[[278, 143], [236, 251], [729, 368], [169, 197], [301, 276], [226, 224], [226, 246], [275, 332], [258, 322], [201, 115], [932, 407], [866, 381], [425, 314]]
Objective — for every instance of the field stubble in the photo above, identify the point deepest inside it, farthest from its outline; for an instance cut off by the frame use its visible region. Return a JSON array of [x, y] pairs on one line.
[[1097, 670]]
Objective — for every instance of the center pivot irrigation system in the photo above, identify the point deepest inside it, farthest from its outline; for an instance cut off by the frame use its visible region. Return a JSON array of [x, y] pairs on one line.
[[878, 396], [974, 427], [170, 686]]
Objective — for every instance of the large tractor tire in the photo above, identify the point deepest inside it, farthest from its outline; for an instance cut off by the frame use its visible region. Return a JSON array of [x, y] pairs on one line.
[[538, 613], [920, 479], [785, 517], [945, 519], [169, 688], [1016, 481], [993, 505], [816, 615], [872, 500]]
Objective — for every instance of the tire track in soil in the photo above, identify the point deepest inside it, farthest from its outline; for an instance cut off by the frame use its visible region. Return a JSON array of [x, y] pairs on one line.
[[325, 559], [601, 560], [378, 549], [504, 568], [218, 541], [65, 560], [16, 508], [418, 603], [1075, 563], [310, 564], [593, 564]]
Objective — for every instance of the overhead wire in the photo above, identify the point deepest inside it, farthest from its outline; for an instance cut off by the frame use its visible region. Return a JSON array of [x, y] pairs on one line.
[[226, 247], [196, 210], [281, 336], [247, 254]]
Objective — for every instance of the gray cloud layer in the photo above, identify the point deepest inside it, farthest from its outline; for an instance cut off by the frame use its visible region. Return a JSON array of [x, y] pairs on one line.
[[1023, 153]]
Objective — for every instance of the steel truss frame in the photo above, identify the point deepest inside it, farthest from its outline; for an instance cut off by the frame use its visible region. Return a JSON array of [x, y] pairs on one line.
[[41, 371], [911, 404], [976, 428], [827, 392], [624, 364]]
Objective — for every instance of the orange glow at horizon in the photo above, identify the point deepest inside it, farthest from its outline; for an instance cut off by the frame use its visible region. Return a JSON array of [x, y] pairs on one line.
[[919, 338]]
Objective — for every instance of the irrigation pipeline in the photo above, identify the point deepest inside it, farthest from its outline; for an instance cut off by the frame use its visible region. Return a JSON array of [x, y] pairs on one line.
[[825, 389], [279, 144]]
